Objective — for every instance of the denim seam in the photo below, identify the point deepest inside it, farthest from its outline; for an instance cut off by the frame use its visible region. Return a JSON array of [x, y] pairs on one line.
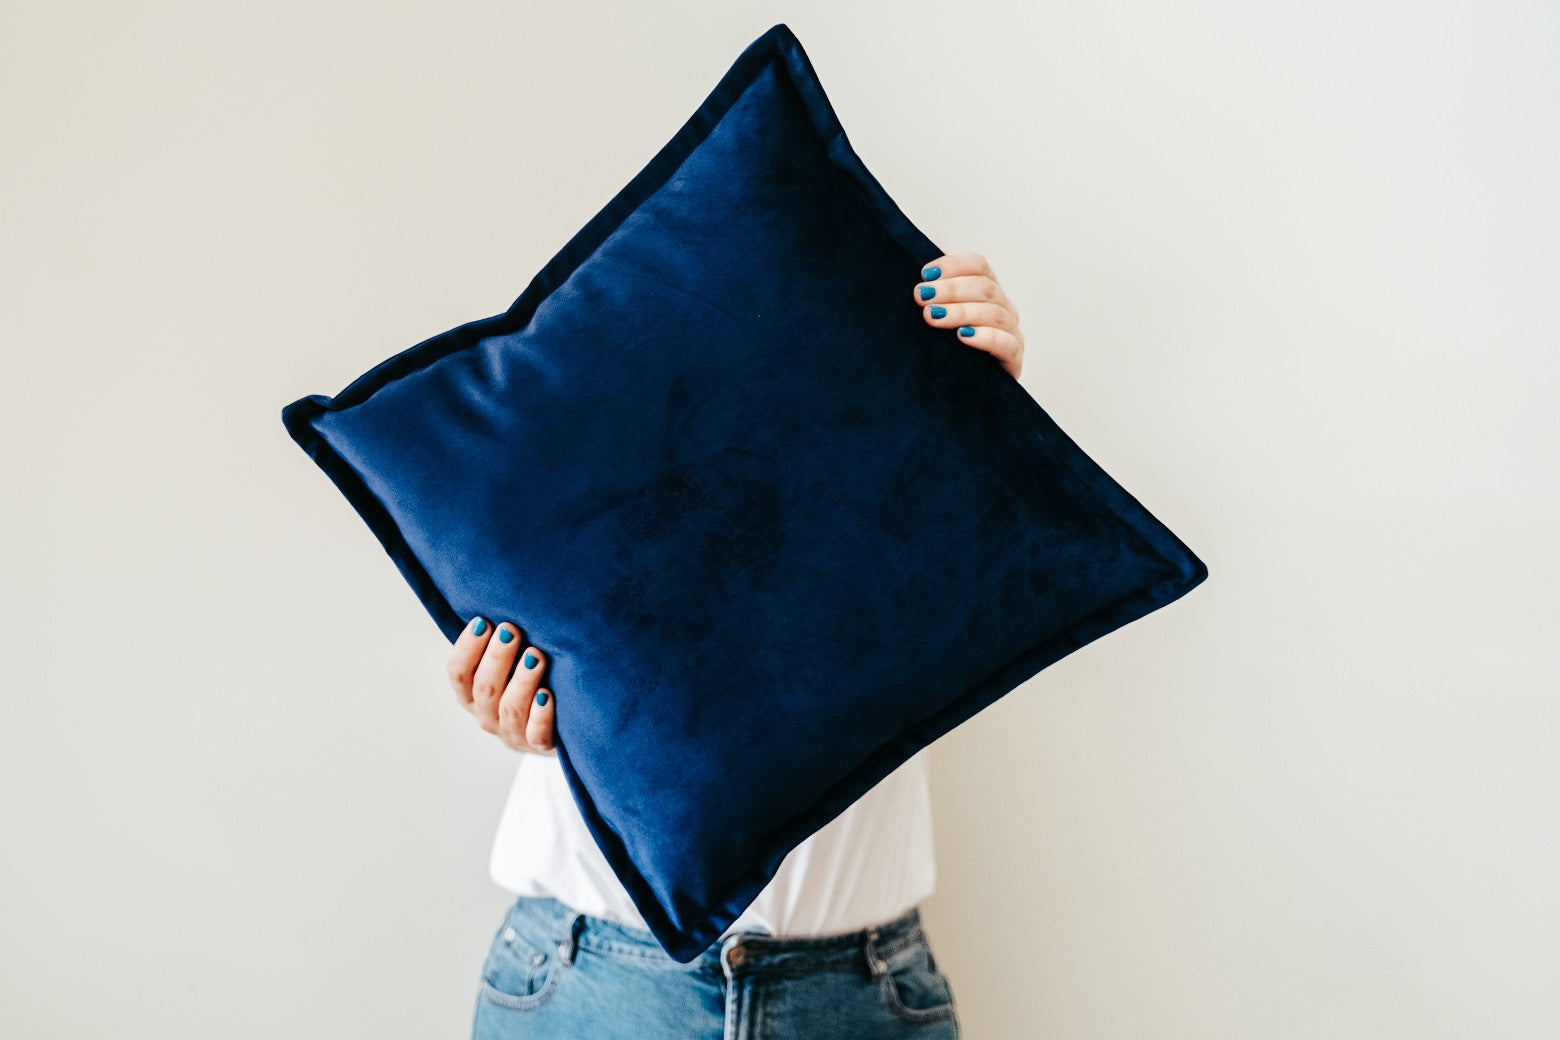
[[619, 949], [839, 949], [906, 1012], [529, 1001], [897, 1005], [836, 952]]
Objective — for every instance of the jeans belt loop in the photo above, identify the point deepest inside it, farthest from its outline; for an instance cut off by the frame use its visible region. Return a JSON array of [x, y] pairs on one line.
[[571, 943], [875, 964]]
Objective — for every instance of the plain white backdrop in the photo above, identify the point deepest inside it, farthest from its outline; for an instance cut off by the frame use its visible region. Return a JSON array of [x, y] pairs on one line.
[[1288, 271]]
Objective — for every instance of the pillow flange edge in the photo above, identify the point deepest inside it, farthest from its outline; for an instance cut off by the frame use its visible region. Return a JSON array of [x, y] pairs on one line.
[[685, 945], [299, 418]]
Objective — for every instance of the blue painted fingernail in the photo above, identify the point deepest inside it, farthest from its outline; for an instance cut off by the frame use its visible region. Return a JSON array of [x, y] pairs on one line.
[[530, 660], [505, 636], [541, 696], [939, 311], [965, 330], [928, 291], [480, 627], [931, 274]]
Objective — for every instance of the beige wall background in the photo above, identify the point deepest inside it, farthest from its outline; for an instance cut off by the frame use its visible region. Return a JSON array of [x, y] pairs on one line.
[[1288, 271]]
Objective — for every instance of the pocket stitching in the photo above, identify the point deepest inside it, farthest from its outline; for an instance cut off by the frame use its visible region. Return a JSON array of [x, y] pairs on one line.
[[552, 966], [897, 1005], [531, 1000]]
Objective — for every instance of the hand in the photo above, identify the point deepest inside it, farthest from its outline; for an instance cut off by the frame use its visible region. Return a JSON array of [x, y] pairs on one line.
[[517, 709], [966, 296]]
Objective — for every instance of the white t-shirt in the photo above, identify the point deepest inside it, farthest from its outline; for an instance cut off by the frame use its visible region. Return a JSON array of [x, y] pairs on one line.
[[868, 865]]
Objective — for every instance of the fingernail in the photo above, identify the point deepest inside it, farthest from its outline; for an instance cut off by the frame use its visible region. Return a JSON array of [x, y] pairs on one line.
[[928, 291], [541, 696], [939, 311], [505, 636], [530, 660], [931, 274], [965, 330], [479, 627]]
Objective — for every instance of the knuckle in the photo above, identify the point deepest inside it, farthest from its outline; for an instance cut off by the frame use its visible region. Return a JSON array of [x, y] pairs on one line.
[[485, 690]]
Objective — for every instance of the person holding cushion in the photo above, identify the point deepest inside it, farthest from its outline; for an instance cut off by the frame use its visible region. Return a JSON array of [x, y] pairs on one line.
[[836, 939]]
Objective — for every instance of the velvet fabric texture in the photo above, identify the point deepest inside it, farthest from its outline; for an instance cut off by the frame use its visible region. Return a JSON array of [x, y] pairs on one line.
[[776, 532]]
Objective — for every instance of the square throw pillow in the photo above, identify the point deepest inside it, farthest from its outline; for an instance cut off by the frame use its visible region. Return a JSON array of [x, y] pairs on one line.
[[775, 532]]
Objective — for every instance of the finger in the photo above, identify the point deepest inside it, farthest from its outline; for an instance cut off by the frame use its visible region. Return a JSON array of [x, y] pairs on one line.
[[951, 264], [952, 315], [514, 708], [487, 686], [960, 288], [539, 728], [465, 654], [1000, 343]]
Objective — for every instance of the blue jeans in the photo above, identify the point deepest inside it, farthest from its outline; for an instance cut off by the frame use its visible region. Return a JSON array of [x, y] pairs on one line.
[[555, 972]]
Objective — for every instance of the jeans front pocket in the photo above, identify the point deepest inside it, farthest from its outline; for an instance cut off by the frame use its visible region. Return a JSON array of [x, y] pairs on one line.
[[912, 985], [523, 963]]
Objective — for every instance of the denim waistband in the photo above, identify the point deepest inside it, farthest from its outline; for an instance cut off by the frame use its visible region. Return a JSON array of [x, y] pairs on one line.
[[745, 951]]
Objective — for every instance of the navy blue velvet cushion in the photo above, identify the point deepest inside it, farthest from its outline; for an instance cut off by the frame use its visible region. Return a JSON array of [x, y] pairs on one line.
[[776, 532]]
